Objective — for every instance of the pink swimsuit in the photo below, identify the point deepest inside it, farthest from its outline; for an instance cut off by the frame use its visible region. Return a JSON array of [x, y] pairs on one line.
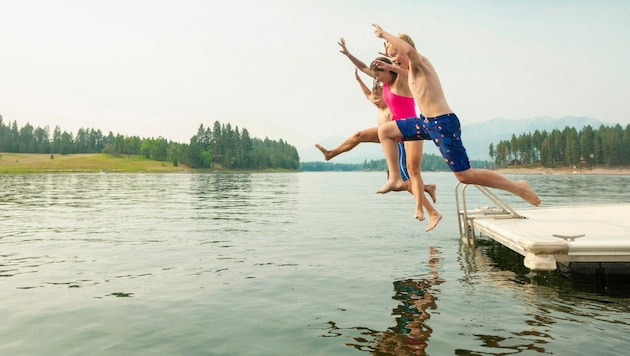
[[401, 107]]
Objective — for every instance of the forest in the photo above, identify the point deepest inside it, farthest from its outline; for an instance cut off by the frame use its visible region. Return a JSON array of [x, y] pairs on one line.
[[588, 147], [211, 148], [225, 147]]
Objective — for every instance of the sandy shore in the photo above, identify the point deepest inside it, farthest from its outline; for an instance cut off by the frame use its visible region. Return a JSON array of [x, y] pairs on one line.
[[542, 170]]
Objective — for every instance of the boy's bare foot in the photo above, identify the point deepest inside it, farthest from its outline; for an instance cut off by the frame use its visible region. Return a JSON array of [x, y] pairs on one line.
[[433, 221], [528, 194], [327, 154], [430, 189], [394, 186]]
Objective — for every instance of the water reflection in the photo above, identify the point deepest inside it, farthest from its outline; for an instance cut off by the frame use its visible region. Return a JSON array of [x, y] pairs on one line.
[[551, 299], [222, 196], [411, 334], [245, 198], [220, 186], [501, 258]]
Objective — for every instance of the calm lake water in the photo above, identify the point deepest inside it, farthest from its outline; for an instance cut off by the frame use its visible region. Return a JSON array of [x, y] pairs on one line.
[[281, 264]]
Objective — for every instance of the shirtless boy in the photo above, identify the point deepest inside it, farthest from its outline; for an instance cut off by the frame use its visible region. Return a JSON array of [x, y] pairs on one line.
[[438, 123]]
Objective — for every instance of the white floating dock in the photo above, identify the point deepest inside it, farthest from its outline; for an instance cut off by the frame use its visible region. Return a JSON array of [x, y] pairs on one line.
[[548, 236]]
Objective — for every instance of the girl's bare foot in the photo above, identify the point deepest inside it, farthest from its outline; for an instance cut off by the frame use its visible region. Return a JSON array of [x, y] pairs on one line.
[[528, 194], [393, 186], [434, 219], [430, 189], [327, 154]]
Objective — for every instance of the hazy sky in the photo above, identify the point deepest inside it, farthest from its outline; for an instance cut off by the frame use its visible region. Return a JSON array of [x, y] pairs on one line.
[[161, 68]]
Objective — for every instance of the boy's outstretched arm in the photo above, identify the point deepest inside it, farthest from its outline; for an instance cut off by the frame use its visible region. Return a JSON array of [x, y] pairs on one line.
[[398, 43], [357, 62]]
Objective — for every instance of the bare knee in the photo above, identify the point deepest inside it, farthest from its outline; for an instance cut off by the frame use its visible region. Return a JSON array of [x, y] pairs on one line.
[[414, 170], [388, 130], [464, 177]]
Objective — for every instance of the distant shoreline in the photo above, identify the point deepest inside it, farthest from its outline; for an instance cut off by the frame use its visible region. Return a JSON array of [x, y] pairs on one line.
[[565, 170], [98, 162]]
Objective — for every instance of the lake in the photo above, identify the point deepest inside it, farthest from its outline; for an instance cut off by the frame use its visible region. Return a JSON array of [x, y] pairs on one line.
[[282, 264]]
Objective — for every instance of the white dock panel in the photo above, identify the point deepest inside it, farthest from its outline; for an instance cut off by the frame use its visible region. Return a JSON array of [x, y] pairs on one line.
[[594, 233]]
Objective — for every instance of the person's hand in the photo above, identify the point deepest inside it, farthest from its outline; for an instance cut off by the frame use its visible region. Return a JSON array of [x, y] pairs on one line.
[[381, 65], [343, 50], [384, 53], [378, 31]]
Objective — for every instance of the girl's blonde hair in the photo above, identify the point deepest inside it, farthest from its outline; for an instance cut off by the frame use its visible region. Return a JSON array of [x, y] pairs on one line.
[[377, 88]]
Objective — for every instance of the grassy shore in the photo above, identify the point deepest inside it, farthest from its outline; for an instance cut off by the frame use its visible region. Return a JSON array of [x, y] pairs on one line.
[[97, 162]]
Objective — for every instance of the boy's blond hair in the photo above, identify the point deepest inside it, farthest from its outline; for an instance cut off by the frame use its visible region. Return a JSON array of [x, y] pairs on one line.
[[403, 36]]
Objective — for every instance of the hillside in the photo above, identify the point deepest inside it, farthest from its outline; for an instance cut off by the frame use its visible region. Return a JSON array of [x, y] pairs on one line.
[[91, 162]]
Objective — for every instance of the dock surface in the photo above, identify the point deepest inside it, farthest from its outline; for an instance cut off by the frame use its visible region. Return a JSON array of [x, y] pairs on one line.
[[546, 236]]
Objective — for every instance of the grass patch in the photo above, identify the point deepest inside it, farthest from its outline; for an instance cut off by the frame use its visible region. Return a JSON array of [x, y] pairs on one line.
[[96, 162]]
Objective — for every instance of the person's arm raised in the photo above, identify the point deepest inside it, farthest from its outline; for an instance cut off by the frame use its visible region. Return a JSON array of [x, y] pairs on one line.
[[357, 62], [366, 91], [401, 45]]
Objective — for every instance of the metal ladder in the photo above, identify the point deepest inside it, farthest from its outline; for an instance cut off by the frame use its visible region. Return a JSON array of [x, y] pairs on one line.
[[466, 217]]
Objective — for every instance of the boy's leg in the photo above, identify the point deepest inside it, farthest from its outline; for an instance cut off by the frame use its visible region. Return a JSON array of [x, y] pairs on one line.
[[450, 145], [488, 178], [402, 163], [414, 158], [434, 215]]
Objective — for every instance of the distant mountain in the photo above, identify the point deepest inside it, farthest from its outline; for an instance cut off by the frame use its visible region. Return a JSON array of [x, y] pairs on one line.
[[476, 136]]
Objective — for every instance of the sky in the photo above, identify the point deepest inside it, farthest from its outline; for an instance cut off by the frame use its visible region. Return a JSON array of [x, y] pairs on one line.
[[161, 68]]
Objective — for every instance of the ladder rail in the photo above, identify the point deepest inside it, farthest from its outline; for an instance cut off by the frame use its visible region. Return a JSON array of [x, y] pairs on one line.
[[466, 216]]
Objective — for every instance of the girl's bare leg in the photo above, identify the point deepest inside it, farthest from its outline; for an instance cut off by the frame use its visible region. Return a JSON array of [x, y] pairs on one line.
[[387, 134], [430, 189], [367, 135]]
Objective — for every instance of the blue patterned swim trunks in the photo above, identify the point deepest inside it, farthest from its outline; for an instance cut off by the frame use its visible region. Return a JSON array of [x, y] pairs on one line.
[[444, 131]]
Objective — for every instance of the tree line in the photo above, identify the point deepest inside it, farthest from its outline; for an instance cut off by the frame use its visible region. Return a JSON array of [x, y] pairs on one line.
[[219, 147], [605, 146]]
